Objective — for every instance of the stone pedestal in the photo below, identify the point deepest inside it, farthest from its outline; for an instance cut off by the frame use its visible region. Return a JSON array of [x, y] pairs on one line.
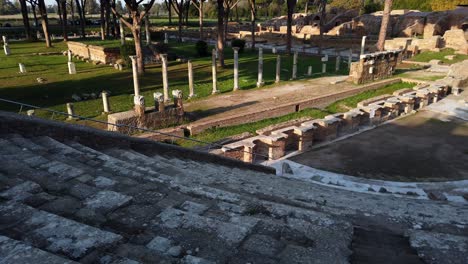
[[260, 82], [164, 78], [236, 68], [278, 69], [159, 102], [309, 71], [324, 68], [213, 72], [70, 55], [31, 112], [105, 102], [294, 70], [178, 101], [166, 38], [136, 83], [190, 79], [71, 68], [139, 102], [22, 68]]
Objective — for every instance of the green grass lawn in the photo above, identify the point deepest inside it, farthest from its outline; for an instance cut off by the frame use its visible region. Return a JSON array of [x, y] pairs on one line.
[[60, 86], [439, 55], [216, 134]]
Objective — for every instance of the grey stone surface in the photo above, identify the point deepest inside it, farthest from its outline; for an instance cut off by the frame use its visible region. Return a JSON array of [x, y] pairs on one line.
[[195, 260], [159, 244], [103, 182], [263, 245], [194, 208], [439, 247], [107, 201], [21, 191], [13, 251]]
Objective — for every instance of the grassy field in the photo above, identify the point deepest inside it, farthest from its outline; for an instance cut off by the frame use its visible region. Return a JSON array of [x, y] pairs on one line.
[[60, 86], [216, 134], [433, 55]]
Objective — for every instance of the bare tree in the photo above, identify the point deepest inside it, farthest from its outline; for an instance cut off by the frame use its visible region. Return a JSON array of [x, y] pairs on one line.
[[63, 9], [199, 6], [44, 22], [179, 7], [24, 14], [228, 5], [384, 25], [168, 4], [102, 9], [253, 17], [80, 7], [137, 15], [291, 4], [322, 9], [220, 42]]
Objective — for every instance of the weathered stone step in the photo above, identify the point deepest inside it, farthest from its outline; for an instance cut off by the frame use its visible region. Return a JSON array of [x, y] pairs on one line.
[[53, 233], [14, 251]]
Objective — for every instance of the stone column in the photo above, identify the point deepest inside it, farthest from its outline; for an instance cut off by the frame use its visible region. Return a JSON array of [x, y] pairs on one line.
[[5, 40], [138, 100], [70, 55], [294, 70], [236, 68], [338, 62], [309, 71], [6, 48], [105, 102], [350, 58], [260, 82], [164, 78], [136, 83], [122, 34], [22, 68], [31, 112], [324, 64], [278, 68], [363, 45], [190, 79], [166, 38], [71, 68], [158, 102], [147, 30], [70, 111], [213, 71]]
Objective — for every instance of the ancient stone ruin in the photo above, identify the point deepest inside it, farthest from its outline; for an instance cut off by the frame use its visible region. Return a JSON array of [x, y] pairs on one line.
[[274, 144], [374, 66]]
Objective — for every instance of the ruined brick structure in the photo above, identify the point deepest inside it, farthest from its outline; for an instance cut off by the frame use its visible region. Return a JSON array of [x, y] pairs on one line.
[[94, 53], [271, 145], [374, 66]]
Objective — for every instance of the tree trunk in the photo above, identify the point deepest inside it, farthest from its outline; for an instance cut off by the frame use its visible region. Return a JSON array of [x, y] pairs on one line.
[[169, 10], [36, 22], [136, 30], [323, 17], [45, 22], [237, 15], [80, 10], [200, 19], [114, 22], [103, 24], [384, 25], [226, 22], [291, 5], [72, 10], [107, 18], [220, 33], [181, 12], [59, 12], [252, 19], [24, 13], [63, 4], [187, 7]]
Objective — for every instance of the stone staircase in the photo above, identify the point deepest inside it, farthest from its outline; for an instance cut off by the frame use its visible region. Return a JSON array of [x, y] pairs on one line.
[[62, 201]]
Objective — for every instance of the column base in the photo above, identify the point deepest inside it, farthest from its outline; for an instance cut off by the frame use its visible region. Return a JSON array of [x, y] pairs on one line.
[[260, 84], [216, 92]]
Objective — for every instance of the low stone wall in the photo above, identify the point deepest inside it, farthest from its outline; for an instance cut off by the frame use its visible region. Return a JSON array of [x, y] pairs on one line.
[[284, 109], [151, 119], [94, 53], [275, 144], [375, 66]]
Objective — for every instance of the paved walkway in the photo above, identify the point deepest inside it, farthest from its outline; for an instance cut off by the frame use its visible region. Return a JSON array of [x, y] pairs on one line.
[[253, 105]]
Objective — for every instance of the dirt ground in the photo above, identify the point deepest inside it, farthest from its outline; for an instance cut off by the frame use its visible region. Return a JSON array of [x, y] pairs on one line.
[[426, 146]]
